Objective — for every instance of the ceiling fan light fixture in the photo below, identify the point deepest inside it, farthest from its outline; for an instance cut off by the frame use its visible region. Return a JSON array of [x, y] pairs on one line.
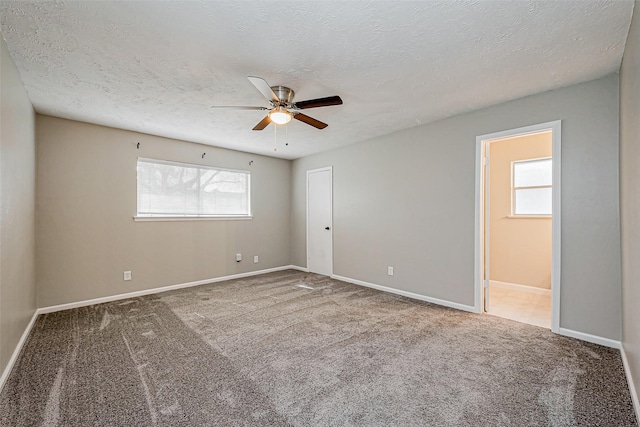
[[280, 116]]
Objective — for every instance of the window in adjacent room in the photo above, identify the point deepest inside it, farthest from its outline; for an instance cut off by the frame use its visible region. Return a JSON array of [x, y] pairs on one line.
[[531, 191], [171, 189]]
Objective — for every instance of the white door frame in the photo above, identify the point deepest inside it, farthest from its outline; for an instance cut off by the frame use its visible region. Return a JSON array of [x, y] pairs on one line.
[[486, 198], [309, 172], [481, 143]]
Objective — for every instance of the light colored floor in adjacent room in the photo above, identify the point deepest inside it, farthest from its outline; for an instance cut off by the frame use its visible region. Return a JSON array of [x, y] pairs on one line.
[[521, 305]]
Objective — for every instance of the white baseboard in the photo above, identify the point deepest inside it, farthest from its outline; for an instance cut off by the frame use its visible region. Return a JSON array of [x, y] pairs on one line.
[[632, 387], [17, 350], [407, 294], [60, 307], [295, 267], [607, 342], [515, 286]]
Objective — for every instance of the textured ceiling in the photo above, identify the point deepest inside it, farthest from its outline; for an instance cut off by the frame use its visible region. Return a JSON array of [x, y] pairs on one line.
[[157, 67]]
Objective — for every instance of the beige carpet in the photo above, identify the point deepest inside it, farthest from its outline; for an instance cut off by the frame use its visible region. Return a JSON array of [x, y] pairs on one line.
[[292, 348]]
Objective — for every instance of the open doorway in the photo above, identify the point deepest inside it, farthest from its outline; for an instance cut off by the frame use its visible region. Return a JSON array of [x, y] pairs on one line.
[[518, 220], [518, 191]]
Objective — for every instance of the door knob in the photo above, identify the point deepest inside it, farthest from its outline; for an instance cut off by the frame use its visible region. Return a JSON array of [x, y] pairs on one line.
[[327, 228]]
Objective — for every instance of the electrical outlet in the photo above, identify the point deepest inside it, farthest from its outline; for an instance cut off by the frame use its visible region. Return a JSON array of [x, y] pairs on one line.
[[390, 271], [238, 257], [127, 275], [255, 259]]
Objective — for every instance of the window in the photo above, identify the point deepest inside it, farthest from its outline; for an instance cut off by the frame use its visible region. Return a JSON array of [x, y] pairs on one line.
[[531, 187], [170, 189]]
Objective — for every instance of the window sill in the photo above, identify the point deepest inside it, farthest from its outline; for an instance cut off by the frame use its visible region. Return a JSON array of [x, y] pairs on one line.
[[529, 216], [190, 218]]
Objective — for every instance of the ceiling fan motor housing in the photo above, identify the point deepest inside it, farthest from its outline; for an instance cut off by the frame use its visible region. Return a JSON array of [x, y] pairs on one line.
[[284, 94]]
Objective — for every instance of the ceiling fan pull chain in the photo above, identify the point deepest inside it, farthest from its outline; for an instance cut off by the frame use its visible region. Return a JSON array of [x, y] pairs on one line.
[[275, 137], [286, 134]]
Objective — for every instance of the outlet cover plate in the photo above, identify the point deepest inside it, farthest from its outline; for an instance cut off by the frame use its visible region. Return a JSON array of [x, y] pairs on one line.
[[127, 275]]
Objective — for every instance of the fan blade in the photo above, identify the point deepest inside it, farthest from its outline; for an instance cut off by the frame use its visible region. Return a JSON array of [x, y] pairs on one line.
[[310, 121], [239, 107], [263, 123], [264, 88], [320, 102]]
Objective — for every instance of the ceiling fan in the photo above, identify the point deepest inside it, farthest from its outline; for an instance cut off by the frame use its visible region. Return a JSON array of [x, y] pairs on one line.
[[281, 106]]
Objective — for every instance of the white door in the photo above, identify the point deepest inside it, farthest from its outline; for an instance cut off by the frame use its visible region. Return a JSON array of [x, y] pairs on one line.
[[319, 221]]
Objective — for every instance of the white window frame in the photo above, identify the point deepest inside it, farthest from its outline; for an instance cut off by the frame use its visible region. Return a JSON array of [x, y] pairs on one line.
[[191, 217], [531, 187]]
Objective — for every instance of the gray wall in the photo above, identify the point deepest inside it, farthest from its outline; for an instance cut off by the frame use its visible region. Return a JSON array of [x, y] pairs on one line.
[[17, 208], [86, 197], [630, 196], [407, 200]]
